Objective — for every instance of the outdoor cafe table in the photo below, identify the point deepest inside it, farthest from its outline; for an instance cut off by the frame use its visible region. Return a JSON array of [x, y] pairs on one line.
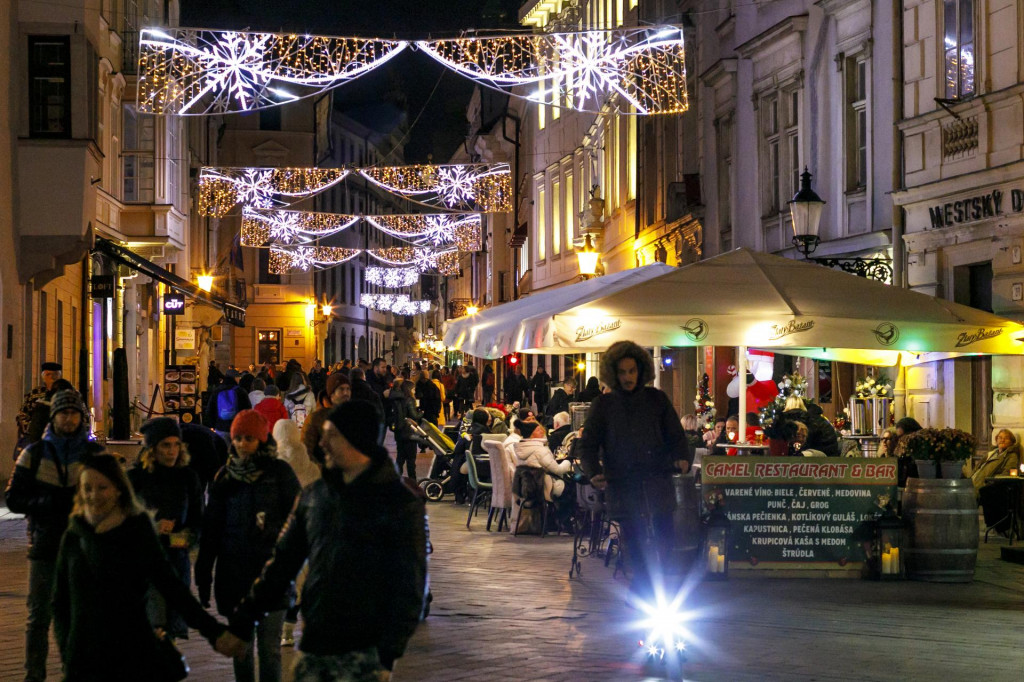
[[1014, 486], [803, 515]]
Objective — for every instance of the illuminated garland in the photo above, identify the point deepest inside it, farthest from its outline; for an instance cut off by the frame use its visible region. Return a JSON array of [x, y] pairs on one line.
[[475, 186], [221, 189], [481, 186], [445, 262], [392, 278], [193, 71], [190, 71], [432, 228], [645, 67], [306, 257], [262, 227], [400, 304]]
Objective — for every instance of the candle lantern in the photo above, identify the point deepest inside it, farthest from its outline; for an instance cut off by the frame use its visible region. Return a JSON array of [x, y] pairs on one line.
[[716, 545], [887, 559]]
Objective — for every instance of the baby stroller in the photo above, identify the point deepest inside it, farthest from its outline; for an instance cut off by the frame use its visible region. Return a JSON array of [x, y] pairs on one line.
[[439, 481]]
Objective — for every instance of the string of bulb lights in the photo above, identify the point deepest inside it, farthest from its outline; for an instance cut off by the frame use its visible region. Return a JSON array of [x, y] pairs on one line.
[[187, 71], [283, 259], [475, 186]]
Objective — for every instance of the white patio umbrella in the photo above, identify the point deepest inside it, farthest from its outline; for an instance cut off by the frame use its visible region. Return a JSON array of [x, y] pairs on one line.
[[746, 299]]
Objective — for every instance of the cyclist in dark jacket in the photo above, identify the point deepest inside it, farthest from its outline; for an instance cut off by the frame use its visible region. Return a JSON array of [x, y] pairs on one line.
[[632, 443], [364, 534]]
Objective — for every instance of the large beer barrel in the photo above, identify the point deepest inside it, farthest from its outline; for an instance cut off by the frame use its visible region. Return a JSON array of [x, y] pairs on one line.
[[942, 530], [686, 521]]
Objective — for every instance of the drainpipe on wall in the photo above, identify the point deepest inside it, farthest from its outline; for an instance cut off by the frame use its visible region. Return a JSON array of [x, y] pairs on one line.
[[899, 253]]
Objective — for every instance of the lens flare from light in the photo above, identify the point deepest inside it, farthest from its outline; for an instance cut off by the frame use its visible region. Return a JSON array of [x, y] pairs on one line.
[[665, 621]]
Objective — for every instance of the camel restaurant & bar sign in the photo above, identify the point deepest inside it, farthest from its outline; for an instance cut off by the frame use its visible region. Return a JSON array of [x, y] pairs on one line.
[[799, 513]]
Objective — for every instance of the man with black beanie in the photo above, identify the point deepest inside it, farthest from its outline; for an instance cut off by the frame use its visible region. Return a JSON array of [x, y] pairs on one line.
[[364, 534]]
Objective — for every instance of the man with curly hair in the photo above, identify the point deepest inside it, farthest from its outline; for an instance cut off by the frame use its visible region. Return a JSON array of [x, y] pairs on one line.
[[631, 445]]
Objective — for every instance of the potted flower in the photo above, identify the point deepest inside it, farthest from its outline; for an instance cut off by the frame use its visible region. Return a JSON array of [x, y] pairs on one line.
[[939, 453]]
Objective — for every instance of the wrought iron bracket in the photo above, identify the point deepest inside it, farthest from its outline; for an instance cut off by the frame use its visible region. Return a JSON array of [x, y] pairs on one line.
[[879, 269]]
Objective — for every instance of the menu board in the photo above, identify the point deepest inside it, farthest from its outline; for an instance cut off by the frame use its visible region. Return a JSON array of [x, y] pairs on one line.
[[789, 512], [180, 394]]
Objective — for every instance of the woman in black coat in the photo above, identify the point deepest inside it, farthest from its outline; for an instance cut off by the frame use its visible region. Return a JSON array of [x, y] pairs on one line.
[[109, 558], [250, 500], [171, 491], [403, 406]]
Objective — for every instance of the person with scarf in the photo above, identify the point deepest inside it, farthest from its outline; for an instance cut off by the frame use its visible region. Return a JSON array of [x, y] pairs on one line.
[[364, 534], [171, 491], [994, 497], [109, 559], [42, 487], [250, 499]]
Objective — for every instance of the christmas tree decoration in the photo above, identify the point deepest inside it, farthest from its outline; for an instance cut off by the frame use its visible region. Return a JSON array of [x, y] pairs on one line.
[[436, 229], [645, 67], [636, 70], [478, 186], [261, 227], [195, 72], [792, 385], [284, 260], [392, 278], [221, 189], [704, 404]]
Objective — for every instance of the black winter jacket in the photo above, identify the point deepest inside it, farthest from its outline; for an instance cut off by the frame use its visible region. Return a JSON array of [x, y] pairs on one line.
[[821, 435], [632, 436], [44, 489], [172, 494], [240, 527], [99, 602], [366, 545], [559, 403], [403, 408], [213, 418]]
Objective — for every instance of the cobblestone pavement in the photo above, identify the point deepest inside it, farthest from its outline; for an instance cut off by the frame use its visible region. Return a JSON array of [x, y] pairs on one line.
[[505, 609]]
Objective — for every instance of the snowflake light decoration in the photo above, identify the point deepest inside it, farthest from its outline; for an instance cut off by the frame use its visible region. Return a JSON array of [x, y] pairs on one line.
[[392, 278], [432, 228], [644, 67], [283, 260], [421, 258], [193, 71], [483, 187], [221, 189], [400, 304], [263, 227]]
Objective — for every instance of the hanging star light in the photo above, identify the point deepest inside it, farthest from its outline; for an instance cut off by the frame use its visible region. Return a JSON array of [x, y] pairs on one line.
[[432, 228], [480, 186], [194, 72], [262, 227], [283, 260], [392, 278], [221, 189], [629, 70], [400, 304]]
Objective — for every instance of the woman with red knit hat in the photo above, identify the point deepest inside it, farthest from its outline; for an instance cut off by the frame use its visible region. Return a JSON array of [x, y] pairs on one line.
[[250, 500]]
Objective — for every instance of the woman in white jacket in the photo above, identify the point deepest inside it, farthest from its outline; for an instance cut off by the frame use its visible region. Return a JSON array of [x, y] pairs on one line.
[[533, 451]]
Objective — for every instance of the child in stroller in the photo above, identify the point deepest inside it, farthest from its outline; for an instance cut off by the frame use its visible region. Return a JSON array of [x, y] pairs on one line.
[[438, 482]]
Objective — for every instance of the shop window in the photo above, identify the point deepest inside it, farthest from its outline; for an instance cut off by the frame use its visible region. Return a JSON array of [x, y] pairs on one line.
[[856, 123]]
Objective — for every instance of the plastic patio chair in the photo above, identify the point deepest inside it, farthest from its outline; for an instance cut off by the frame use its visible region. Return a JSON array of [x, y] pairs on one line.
[[481, 489], [501, 486]]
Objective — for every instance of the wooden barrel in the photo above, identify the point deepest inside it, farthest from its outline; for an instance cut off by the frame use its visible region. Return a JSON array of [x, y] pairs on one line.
[[942, 530]]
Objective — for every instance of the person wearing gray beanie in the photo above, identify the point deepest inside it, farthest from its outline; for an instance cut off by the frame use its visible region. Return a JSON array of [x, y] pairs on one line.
[[158, 428]]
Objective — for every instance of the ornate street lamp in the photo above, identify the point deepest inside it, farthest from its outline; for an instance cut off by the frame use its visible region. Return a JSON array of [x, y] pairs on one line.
[[806, 207], [588, 257]]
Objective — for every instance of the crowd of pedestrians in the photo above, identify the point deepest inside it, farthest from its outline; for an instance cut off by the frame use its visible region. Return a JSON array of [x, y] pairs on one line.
[[111, 541]]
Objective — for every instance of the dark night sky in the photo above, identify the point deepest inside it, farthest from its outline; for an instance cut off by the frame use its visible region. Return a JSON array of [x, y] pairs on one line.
[[442, 126]]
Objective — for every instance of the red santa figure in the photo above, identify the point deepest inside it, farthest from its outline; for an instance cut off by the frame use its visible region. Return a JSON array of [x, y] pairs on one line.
[[761, 388]]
